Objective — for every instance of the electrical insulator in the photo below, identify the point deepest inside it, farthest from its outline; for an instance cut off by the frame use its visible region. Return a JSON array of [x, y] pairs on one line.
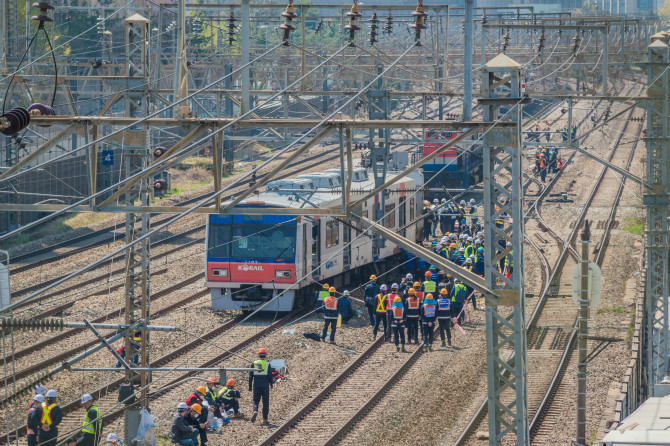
[[288, 15], [541, 44], [373, 28], [41, 110], [231, 28], [159, 151], [484, 19], [388, 29], [32, 324], [419, 17], [42, 16], [14, 121], [160, 185], [353, 15], [505, 41], [318, 27], [575, 44]]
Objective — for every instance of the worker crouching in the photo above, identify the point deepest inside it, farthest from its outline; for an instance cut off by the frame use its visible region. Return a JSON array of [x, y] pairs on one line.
[[229, 397]]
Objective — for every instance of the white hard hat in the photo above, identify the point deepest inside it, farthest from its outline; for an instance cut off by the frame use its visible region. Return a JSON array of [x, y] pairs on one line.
[[114, 437], [469, 239], [394, 286], [39, 398], [479, 234], [52, 393], [478, 242], [86, 398], [468, 260], [40, 390], [436, 201], [383, 288], [472, 256], [509, 244], [182, 406], [472, 201], [462, 201], [444, 200], [345, 292], [409, 276]]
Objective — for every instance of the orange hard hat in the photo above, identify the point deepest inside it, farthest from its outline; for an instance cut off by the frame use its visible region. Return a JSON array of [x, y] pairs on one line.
[[429, 296], [197, 408], [230, 382], [416, 285], [411, 291], [212, 380], [428, 274], [444, 291], [262, 351], [332, 289], [201, 389]]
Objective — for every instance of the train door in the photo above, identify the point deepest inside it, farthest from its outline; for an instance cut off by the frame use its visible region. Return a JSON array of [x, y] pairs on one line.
[[402, 216], [316, 248], [346, 238], [305, 265]]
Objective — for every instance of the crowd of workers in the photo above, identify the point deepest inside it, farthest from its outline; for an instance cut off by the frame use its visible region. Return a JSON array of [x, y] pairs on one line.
[[206, 407]]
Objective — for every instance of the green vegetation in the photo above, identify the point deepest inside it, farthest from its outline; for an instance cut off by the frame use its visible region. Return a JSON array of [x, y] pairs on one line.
[[613, 309], [634, 225], [57, 226]]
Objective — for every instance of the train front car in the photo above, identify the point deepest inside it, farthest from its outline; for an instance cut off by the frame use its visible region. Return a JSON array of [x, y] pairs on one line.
[[251, 259]]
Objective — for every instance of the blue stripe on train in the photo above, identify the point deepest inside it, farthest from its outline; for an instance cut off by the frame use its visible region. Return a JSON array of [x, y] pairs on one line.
[[254, 261]]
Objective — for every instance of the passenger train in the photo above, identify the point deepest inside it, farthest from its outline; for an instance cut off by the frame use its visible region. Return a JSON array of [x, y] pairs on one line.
[[253, 258]]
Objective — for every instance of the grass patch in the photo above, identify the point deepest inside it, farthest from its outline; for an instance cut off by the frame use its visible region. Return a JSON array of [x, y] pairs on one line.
[[629, 336], [634, 225], [163, 440], [613, 309]]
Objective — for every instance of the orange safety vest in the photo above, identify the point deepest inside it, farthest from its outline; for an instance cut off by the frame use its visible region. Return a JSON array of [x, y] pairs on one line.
[[397, 312], [419, 295], [559, 164], [46, 413], [331, 304], [412, 303], [29, 431], [380, 303], [543, 163], [389, 300]]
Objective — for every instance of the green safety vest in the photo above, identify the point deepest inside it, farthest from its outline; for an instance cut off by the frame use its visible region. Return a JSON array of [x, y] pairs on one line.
[[89, 427], [211, 394], [509, 259], [323, 295], [222, 393], [429, 286], [261, 364]]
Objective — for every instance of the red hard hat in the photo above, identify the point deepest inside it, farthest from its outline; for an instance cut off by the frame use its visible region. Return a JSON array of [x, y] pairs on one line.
[[428, 274], [230, 382]]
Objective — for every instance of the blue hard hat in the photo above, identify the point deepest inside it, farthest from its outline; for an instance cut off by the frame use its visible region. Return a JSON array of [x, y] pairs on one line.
[[480, 250]]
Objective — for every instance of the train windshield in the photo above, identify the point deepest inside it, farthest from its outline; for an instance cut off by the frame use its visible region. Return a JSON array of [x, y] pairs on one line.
[[252, 242]]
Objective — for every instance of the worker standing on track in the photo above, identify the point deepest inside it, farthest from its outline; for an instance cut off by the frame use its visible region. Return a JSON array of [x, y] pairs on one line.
[[543, 168], [390, 298], [380, 312], [330, 316], [181, 432], [458, 297], [229, 397], [371, 291], [32, 424], [559, 163], [428, 285], [320, 297], [509, 261], [261, 378], [48, 416], [397, 322], [444, 315], [412, 316], [92, 430], [428, 316]]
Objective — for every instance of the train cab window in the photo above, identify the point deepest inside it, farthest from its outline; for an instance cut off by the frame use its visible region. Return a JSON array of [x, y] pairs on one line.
[[332, 233], [330, 181], [389, 216]]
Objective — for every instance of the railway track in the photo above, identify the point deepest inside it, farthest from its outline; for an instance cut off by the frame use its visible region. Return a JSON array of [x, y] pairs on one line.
[[238, 336], [550, 326]]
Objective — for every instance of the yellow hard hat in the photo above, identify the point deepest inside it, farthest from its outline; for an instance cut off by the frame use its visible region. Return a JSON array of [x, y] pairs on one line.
[[411, 291], [332, 289], [429, 296], [197, 408], [326, 286], [202, 389], [444, 291], [373, 277], [397, 299], [416, 284]]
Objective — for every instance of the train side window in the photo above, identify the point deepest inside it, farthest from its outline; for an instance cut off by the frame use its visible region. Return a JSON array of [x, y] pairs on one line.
[[389, 216], [332, 233]]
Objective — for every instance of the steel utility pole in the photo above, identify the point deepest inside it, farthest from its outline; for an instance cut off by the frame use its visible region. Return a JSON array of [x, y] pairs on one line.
[[245, 57], [656, 200], [181, 69], [582, 335], [505, 319], [467, 62]]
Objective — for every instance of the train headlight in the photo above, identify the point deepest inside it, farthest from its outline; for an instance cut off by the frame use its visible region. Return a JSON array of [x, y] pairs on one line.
[[283, 274], [220, 272]]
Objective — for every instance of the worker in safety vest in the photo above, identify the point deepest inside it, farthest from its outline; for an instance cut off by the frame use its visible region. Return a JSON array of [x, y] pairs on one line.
[[543, 168], [509, 261], [211, 397], [559, 163], [92, 429], [380, 312], [229, 397], [320, 297], [48, 416], [32, 424], [444, 315], [262, 381], [397, 322], [413, 306], [428, 285], [390, 297], [330, 316], [418, 292], [428, 315], [458, 297], [196, 398]]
